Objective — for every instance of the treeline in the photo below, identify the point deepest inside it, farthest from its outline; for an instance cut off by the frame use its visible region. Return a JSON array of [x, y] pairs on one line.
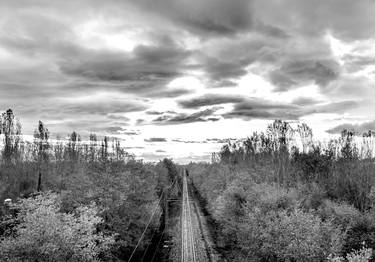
[[281, 196], [77, 200]]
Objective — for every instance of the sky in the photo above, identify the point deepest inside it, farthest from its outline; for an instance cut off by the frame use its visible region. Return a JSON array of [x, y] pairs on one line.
[[177, 78]]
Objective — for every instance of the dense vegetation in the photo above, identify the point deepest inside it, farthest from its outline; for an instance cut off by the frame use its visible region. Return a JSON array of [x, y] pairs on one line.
[[79, 200], [275, 196], [280, 196]]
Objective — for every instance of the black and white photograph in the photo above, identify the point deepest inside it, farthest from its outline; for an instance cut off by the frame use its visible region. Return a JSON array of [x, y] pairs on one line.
[[187, 130]]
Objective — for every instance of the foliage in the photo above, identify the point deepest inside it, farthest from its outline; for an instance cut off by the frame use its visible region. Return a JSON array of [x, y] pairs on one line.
[[99, 171], [46, 234], [271, 202], [362, 255], [263, 222]]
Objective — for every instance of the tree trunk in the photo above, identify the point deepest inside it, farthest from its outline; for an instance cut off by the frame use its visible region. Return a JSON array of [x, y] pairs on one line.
[[39, 182]]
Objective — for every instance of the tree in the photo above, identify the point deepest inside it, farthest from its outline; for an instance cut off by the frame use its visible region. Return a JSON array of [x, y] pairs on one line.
[[93, 145], [280, 134], [72, 149], [11, 128], [46, 234], [306, 135], [41, 136]]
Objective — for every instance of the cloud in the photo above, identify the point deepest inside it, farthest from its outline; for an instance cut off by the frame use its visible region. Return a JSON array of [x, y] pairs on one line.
[[144, 63], [156, 139], [160, 151], [83, 126], [209, 100], [119, 130], [188, 141], [153, 112], [213, 17], [221, 140], [145, 70], [218, 70], [320, 72], [302, 101], [183, 118], [357, 128], [169, 93], [99, 65], [118, 117], [112, 129], [352, 87], [102, 107], [134, 147], [264, 109], [315, 18]]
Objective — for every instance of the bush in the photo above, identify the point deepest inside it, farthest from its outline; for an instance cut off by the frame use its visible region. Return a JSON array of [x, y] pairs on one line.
[[340, 213], [363, 255], [46, 234], [362, 231], [284, 236], [264, 222]]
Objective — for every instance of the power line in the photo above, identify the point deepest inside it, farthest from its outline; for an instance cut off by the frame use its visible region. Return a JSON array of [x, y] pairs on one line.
[[157, 247], [148, 246], [148, 224]]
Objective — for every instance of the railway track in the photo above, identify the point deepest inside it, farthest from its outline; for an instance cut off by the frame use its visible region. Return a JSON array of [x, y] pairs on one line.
[[188, 252]]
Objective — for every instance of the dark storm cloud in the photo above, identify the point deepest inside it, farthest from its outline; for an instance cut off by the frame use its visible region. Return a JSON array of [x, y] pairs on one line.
[[83, 126], [113, 129], [103, 107], [118, 117], [144, 63], [160, 151], [209, 100], [145, 71], [262, 109], [152, 112], [189, 141], [225, 83], [156, 139], [335, 107], [321, 72], [117, 130], [134, 147], [300, 25], [168, 93], [302, 101], [316, 17], [358, 129], [214, 17], [146, 88], [183, 118], [219, 70], [282, 40]]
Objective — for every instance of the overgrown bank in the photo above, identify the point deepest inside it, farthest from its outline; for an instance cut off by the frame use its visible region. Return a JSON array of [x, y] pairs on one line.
[[77, 200], [272, 202]]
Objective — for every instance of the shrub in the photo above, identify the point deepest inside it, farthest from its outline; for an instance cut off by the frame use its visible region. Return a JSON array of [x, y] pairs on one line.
[[284, 236], [46, 234], [362, 255], [340, 213], [361, 231]]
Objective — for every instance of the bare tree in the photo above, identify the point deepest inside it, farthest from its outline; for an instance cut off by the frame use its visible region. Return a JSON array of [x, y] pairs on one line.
[[306, 135], [11, 128], [41, 136]]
